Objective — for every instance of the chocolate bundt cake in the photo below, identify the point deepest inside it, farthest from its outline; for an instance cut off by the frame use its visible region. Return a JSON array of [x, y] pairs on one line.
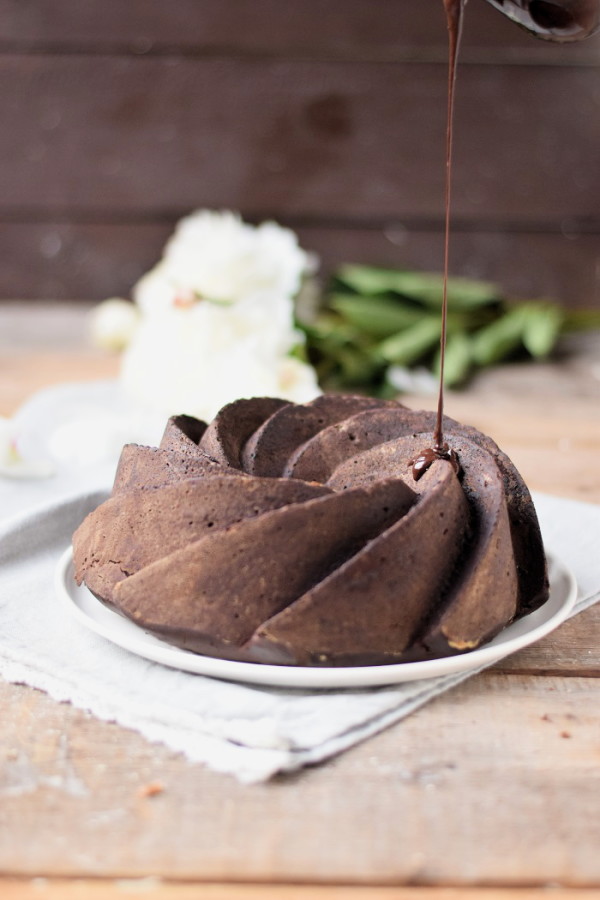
[[299, 535]]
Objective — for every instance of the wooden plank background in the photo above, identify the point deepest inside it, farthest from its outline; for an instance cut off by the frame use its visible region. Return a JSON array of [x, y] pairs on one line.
[[118, 118], [474, 806]]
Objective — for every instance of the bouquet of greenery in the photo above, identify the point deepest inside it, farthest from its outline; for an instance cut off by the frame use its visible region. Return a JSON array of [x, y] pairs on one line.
[[374, 320]]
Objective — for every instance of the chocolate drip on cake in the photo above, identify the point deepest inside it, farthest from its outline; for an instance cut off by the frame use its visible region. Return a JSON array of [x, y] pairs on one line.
[[440, 449]]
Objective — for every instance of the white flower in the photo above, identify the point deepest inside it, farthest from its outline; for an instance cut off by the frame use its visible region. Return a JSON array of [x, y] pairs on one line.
[[217, 319], [12, 463], [185, 361], [113, 323], [217, 257]]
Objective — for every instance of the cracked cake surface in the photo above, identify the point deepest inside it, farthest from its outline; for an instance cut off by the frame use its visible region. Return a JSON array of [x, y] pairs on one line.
[[297, 535]]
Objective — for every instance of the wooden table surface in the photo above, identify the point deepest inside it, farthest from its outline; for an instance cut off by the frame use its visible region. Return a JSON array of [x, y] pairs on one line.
[[492, 790]]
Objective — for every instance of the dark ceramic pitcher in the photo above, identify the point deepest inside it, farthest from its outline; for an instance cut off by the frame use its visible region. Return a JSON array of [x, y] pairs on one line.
[[553, 20]]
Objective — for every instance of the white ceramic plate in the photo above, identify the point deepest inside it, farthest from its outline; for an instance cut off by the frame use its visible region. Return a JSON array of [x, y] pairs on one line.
[[91, 613]]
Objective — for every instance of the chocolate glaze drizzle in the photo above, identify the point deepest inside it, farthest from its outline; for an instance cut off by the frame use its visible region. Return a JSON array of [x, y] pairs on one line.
[[440, 449], [429, 456]]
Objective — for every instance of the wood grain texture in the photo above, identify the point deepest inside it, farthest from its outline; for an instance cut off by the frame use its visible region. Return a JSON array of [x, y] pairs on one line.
[[497, 783], [488, 792], [119, 118], [94, 260], [22, 376], [111, 136], [158, 889], [574, 648], [334, 29]]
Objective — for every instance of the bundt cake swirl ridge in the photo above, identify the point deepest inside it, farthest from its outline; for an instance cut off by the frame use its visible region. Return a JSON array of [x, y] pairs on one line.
[[296, 534]]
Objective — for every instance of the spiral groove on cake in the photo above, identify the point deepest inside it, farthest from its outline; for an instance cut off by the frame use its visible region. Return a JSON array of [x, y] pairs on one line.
[[296, 534]]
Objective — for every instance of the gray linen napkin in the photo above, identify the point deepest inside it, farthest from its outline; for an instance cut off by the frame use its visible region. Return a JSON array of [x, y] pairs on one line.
[[250, 732]]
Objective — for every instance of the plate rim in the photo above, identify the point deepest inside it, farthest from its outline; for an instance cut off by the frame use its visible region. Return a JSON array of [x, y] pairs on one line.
[[148, 646]]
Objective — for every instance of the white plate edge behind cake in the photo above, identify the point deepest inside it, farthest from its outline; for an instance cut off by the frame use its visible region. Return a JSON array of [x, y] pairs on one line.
[[93, 615]]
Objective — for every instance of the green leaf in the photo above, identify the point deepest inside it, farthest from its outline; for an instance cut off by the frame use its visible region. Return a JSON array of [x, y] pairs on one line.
[[330, 328], [356, 367], [495, 341], [213, 300], [299, 352], [422, 287], [376, 316], [368, 280], [458, 359], [581, 320], [409, 345], [541, 327], [386, 391]]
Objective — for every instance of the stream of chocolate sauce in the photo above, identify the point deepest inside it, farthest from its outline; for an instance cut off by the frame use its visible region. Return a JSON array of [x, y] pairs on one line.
[[440, 449], [555, 20]]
